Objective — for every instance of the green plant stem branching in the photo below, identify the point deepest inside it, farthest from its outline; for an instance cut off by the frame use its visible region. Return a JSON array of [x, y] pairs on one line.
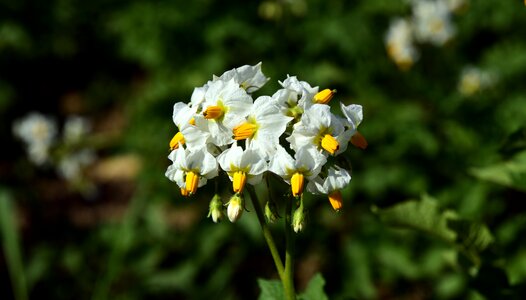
[[266, 232]]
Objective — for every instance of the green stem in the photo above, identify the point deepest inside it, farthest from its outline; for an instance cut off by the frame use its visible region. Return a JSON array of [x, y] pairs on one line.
[[288, 276], [266, 232], [11, 246]]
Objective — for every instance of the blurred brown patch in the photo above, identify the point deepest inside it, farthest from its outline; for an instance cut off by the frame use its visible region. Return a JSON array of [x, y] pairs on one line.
[[117, 168]]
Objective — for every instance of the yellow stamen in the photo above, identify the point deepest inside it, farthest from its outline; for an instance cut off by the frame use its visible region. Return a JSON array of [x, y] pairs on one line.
[[178, 138], [184, 192], [296, 182], [213, 112], [336, 200], [192, 121], [330, 144], [192, 179], [244, 131], [239, 180], [359, 141], [324, 96]]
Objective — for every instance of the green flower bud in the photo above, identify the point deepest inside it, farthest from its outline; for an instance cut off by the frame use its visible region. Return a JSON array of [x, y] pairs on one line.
[[298, 219], [216, 209], [271, 212]]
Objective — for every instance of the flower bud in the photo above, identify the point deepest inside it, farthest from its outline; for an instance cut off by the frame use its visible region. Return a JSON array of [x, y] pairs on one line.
[[298, 219], [236, 205], [216, 209], [271, 212]]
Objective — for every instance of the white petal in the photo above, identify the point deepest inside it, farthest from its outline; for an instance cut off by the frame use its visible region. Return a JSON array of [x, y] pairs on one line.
[[255, 161], [220, 135], [281, 163], [182, 114], [180, 158], [195, 138], [309, 158], [353, 113], [337, 179], [315, 186], [230, 157], [209, 166], [254, 179]]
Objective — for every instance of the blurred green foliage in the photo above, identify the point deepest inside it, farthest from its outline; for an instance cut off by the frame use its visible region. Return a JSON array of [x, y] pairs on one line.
[[128, 62]]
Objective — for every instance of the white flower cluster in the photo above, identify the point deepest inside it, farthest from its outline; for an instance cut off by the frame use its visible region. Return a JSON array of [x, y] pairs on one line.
[[224, 129], [430, 23], [40, 135]]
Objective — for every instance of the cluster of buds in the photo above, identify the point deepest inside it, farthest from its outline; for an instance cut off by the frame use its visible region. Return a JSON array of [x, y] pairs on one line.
[[290, 134], [429, 23], [44, 146]]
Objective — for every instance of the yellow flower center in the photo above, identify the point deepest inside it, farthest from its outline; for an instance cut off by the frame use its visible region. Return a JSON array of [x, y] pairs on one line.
[[213, 112], [239, 180], [178, 138], [336, 200], [296, 182], [184, 192], [192, 121], [359, 141], [324, 96], [192, 180], [244, 131], [329, 143]]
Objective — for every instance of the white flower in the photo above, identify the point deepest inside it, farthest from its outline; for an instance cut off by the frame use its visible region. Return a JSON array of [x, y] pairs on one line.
[[190, 133], [295, 96], [191, 169], [321, 129], [262, 127], [242, 166], [307, 163], [39, 133], [336, 180], [225, 106], [473, 80], [432, 21], [75, 128], [354, 115], [70, 167], [249, 78], [399, 43]]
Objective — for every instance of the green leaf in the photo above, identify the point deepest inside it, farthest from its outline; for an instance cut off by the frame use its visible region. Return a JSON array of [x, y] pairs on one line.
[[423, 215], [469, 238], [472, 237], [271, 289], [314, 290], [511, 173]]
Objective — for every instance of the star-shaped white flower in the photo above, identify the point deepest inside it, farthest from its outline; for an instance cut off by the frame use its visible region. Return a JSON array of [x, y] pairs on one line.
[[191, 169], [331, 185], [262, 127], [354, 116], [225, 106], [191, 135], [242, 166], [307, 162], [320, 129], [249, 78]]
